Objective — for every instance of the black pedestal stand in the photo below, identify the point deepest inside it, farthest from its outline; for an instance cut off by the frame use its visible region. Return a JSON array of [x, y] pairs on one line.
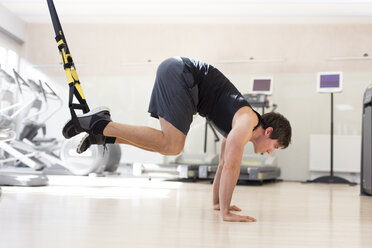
[[331, 178]]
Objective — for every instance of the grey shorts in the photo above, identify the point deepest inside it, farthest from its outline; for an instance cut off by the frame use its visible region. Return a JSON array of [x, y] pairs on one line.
[[175, 94]]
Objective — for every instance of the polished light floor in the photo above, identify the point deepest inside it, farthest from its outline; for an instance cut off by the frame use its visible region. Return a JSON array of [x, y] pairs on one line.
[[126, 212]]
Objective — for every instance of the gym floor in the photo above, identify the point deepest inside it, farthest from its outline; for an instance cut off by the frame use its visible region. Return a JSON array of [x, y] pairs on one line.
[[135, 212]]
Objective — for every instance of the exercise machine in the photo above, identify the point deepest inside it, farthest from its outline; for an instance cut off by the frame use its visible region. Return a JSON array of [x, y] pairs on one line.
[[25, 157], [261, 167], [10, 108], [183, 167], [366, 163], [48, 154], [256, 167], [188, 164]]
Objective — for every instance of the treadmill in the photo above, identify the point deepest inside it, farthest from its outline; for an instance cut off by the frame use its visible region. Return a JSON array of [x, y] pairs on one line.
[[256, 167], [182, 167], [253, 168], [188, 164], [366, 162]]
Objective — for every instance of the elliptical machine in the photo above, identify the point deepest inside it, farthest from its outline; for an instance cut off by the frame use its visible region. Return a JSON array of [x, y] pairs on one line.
[[50, 153], [10, 109], [25, 153]]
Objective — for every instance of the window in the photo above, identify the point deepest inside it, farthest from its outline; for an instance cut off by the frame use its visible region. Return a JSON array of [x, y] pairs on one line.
[[12, 61], [9, 60], [3, 57]]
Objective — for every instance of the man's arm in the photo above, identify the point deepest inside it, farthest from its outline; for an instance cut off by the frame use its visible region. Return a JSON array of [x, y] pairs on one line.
[[234, 147], [216, 181]]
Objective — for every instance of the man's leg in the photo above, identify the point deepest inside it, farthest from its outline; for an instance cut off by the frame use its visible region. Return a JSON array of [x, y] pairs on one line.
[[167, 141], [120, 141]]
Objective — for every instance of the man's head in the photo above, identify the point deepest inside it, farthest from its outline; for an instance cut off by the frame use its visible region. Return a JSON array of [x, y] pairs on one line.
[[274, 132]]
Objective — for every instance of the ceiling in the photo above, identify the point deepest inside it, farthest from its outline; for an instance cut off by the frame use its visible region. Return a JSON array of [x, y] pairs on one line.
[[118, 11]]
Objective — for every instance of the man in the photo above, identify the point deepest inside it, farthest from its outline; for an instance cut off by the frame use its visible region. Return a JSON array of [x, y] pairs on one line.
[[184, 87]]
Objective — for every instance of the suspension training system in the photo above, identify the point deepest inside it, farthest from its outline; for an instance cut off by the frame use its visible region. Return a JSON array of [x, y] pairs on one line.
[[69, 67]]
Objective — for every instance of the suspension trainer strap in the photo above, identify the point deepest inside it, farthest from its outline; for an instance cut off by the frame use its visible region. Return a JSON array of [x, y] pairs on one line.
[[69, 67]]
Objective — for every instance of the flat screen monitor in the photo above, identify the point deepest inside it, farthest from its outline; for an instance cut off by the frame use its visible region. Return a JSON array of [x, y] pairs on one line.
[[329, 82], [262, 85]]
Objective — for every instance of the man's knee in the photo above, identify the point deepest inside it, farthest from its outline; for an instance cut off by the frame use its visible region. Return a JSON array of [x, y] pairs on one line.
[[173, 139], [172, 148]]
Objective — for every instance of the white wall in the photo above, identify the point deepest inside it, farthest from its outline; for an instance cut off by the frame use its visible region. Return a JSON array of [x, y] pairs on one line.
[[12, 32], [98, 51], [12, 26]]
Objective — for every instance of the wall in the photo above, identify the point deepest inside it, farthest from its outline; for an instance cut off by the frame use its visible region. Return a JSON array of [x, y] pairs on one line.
[[12, 32], [100, 49], [12, 26]]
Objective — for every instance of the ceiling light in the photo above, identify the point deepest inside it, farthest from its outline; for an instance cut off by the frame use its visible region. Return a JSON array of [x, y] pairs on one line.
[[363, 57], [252, 60]]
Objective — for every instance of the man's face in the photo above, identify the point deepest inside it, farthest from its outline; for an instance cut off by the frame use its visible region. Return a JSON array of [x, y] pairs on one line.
[[265, 144]]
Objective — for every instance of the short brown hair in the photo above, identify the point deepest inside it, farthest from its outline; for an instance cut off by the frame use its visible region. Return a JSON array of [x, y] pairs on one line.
[[282, 130]]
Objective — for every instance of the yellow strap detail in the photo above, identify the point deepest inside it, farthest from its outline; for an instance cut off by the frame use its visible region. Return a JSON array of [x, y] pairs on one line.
[[74, 75], [72, 78], [79, 89], [69, 76], [64, 57]]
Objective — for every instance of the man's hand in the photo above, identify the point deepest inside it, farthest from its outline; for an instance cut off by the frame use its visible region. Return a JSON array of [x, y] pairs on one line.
[[237, 218], [232, 208]]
